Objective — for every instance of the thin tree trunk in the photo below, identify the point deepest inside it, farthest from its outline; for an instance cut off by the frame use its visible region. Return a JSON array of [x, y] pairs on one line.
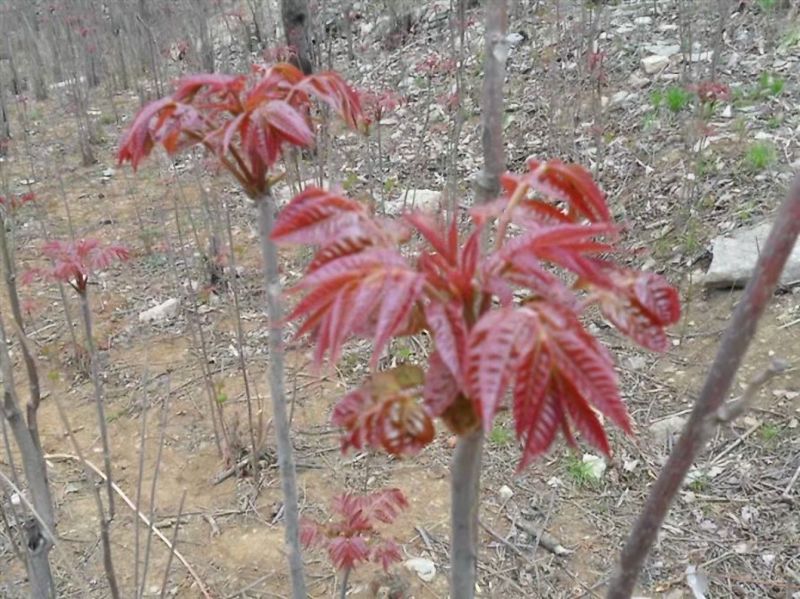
[[297, 29], [5, 122], [706, 410], [272, 285], [465, 493], [98, 398], [30, 365], [37, 541], [465, 471]]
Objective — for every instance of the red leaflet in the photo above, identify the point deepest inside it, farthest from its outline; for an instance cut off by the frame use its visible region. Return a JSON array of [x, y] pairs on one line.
[[639, 304], [264, 111], [386, 554], [495, 345], [74, 262], [446, 323], [316, 217], [352, 538], [371, 292], [531, 350], [441, 388], [386, 413], [569, 184]]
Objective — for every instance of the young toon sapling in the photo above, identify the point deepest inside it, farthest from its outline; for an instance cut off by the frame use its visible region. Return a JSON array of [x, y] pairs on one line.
[[352, 538], [75, 263], [245, 122], [505, 318]]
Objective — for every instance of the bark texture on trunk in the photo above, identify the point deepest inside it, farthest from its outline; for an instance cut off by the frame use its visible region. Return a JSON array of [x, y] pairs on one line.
[[297, 29], [465, 471], [272, 284]]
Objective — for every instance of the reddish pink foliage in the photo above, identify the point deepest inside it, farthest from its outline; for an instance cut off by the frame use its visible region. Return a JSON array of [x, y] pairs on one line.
[[74, 262], [378, 104], [352, 538], [710, 92], [398, 424], [435, 64], [10, 204], [533, 347], [244, 120]]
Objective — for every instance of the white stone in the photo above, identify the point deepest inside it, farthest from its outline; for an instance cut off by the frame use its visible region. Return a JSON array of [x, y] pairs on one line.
[[596, 465], [423, 567], [637, 81], [515, 38], [653, 64], [505, 493], [665, 50], [666, 428], [161, 312], [619, 98], [424, 200], [734, 258]]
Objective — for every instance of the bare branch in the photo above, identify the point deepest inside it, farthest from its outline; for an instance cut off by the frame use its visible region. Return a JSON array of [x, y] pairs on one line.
[[706, 410]]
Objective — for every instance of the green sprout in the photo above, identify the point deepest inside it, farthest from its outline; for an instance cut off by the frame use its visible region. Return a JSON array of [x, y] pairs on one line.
[[759, 156], [677, 98]]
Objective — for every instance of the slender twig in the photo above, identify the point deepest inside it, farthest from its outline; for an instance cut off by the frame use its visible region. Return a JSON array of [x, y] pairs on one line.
[[139, 481], [706, 410], [127, 501], [240, 339], [108, 561], [787, 491], [153, 486], [172, 543], [345, 579], [99, 398]]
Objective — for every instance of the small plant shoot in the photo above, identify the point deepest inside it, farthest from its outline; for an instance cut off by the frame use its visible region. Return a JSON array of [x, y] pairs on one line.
[[353, 539]]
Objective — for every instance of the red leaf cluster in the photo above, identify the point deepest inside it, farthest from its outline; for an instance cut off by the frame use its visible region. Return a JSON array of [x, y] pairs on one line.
[[711, 92], [73, 262], [12, 203], [378, 104], [506, 322], [244, 120], [352, 538]]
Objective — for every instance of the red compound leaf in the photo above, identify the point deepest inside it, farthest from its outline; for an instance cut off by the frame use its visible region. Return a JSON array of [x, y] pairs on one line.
[[386, 553], [556, 368], [570, 185], [73, 262], [386, 413], [346, 553], [246, 121]]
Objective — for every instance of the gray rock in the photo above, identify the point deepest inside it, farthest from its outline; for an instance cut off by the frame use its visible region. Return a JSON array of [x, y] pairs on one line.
[[735, 258], [662, 430], [424, 200], [161, 312], [653, 64], [665, 50]]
